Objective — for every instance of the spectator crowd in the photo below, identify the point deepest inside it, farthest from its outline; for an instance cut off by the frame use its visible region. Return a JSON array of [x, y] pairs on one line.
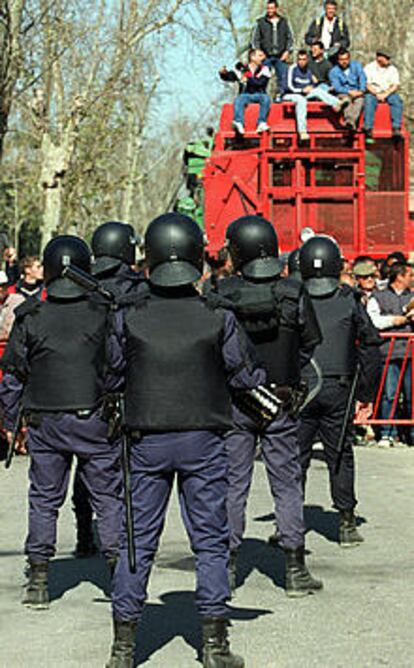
[[324, 70]]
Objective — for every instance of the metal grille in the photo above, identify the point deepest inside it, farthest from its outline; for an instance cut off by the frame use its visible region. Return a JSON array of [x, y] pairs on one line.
[[384, 219], [282, 215]]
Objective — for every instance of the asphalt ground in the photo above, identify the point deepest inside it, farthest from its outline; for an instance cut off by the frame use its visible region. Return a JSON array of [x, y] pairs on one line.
[[364, 617]]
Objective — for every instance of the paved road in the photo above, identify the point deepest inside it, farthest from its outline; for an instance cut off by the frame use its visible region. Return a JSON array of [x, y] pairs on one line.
[[363, 618]]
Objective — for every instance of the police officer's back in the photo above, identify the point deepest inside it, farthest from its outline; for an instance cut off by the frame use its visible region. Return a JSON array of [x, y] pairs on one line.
[[349, 346], [278, 318], [178, 353], [114, 247], [55, 364]]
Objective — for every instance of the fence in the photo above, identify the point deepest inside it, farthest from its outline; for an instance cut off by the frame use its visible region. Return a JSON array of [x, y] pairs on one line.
[[405, 366]]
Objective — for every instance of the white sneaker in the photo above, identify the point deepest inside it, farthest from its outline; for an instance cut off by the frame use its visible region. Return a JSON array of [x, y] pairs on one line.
[[385, 442], [262, 127], [238, 127], [303, 136]]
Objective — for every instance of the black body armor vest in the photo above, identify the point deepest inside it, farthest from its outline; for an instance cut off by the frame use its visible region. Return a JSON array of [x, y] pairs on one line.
[[66, 356], [269, 314], [175, 374], [337, 355]]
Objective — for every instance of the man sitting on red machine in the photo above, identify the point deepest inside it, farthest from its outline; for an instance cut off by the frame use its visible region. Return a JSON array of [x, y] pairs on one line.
[[349, 82], [253, 80], [383, 82], [301, 85]]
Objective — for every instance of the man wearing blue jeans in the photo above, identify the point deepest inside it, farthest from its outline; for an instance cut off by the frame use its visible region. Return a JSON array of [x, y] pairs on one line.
[[383, 81], [253, 80], [272, 34], [301, 86], [391, 310]]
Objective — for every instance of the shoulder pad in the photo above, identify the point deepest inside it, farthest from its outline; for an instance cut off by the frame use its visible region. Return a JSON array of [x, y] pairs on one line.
[[214, 300], [289, 288], [29, 306]]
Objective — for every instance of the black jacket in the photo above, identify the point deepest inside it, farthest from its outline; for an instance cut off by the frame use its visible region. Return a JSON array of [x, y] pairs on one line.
[[340, 33], [262, 37], [320, 70]]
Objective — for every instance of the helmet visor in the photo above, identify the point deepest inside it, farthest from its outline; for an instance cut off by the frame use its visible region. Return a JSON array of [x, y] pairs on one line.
[[173, 274]]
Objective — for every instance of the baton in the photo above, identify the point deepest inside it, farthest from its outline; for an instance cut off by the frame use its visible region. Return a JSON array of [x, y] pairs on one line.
[[86, 281], [349, 407], [127, 490], [12, 444]]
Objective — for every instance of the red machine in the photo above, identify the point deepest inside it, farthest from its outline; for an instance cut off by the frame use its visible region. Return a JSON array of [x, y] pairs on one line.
[[335, 184]]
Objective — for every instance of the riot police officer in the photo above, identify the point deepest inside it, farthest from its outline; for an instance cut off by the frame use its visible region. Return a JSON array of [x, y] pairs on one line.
[[179, 353], [278, 317], [55, 364], [114, 248], [349, 346]]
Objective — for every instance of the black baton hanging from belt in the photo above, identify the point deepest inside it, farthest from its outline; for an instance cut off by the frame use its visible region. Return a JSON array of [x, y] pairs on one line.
[[347, 416], [126, 446], [12, 444]]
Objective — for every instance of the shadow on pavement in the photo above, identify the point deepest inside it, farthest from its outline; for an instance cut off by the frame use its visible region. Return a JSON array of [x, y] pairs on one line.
[[256, 554], [66, 574], [318, 519], [175, 617], [325, 522]]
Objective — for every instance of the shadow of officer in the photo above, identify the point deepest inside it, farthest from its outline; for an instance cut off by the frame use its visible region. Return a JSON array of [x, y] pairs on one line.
[[175, 617]]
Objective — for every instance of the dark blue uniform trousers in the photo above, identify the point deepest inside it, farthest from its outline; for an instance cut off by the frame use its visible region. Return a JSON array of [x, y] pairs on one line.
[[52, 445], [280, 453], [323, 418], [200, 462]]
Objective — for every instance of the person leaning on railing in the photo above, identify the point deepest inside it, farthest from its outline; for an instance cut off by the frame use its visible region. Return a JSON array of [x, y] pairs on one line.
[[392, 309]]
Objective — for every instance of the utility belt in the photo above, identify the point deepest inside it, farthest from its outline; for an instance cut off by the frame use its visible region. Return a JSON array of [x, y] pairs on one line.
[[340, 378], [34, 418]]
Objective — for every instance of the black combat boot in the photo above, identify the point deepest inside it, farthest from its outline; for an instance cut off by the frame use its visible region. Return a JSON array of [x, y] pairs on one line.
[[123, 646], [299, 582], [349, 535], [36, 594], [216, 646], [233, 570]]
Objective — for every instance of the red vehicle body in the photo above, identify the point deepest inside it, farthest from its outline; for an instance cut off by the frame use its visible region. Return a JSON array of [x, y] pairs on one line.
[[335, 184]]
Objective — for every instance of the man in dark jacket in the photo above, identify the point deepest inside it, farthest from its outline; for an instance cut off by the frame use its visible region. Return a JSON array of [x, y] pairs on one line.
[[253, 79], [348, 355], [178, 355], [280, 323], [55, 366], [273, 35], [319, 65], [114, 250], [330, 29]]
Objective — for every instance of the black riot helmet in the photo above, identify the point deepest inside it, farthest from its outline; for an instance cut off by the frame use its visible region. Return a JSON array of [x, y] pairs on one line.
[[294, 265], [253, 246], [112, 244], [320, 265], [174, 250], [59, 253]]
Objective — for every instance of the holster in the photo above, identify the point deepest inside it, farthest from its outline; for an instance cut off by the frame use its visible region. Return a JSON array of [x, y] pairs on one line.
[[297, 399], [111, 413]]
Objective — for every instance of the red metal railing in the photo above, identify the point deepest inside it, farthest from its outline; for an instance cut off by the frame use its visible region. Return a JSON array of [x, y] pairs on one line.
[[408, 357]]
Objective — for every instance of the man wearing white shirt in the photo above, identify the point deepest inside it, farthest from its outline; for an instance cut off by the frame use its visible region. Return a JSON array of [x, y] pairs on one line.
[[330, 29], [383, 81]]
